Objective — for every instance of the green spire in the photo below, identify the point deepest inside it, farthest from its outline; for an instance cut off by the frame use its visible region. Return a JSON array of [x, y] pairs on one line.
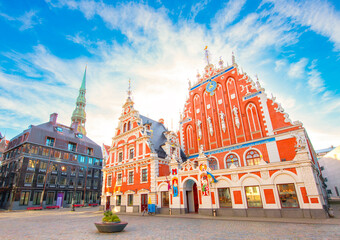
[[79, 114]]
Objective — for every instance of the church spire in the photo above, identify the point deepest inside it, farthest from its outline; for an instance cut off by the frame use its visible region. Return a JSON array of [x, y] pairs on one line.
[[79, 115]]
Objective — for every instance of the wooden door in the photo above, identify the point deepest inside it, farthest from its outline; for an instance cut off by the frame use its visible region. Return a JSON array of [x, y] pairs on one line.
[[144, 202], [194, 189], [108, 203]]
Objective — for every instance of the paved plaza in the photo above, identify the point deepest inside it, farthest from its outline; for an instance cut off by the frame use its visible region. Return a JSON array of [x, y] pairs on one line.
[[64, 224]]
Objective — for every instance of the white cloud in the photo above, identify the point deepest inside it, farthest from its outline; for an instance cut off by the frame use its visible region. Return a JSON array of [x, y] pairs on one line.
[[315, 81], [158, 56], [297, 70], [228, 14], [320, 16], [27, 21], [195, 9]]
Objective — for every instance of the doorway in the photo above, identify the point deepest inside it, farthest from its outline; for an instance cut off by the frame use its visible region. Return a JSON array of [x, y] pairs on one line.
[[107, 202], [60, 198], [144, 202], [191, 197]]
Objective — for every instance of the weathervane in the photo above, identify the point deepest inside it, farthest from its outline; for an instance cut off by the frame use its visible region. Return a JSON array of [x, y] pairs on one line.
[[129, 89], [207, 54]]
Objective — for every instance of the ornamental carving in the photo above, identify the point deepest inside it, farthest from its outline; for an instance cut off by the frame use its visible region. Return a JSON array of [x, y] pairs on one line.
[[236, 118]]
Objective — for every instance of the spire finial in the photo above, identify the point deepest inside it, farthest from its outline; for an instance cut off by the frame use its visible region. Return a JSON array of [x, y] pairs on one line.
[[221, 62], [207, 55], [129, 89], [233, 58]]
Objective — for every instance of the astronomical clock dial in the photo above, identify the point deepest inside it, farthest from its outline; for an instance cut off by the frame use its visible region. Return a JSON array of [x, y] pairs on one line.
[[211, 86]]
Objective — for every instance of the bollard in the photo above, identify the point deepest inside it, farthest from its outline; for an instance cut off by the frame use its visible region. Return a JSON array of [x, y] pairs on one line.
[[214, 213], [170, 211]]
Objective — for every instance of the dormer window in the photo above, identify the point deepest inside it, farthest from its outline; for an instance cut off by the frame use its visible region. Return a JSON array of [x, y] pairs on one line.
[[59, 129], [50, 141], [89, 151], [72, 146]]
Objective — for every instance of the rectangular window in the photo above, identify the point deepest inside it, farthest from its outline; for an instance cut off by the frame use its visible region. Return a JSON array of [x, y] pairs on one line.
[[89, 151], [57, 154], [40, 179], [89, 172], [120, 157], [95, 184], [224, 197], [54, 167], [144, 175], [131, 177], [253, 197], [90, 160], [53, 180], [71, 183], [119, 179], [45, 151], [62, 180], [165, 199], [43, 165], [73, 170], [96, 173], [72, 146], [66, 156], [118, 200], [63, 169], [50, 198], [130, 199], [31, 164], [24, 198], [109, 180], [69, 197], [29, 177], [36, 198], [50, 141], [288, 195], [80, 183], [131, 153], [81, 159], [88, 183], [81, 171]]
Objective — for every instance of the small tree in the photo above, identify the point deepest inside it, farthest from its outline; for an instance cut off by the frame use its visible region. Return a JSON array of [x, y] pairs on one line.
[[110, 217]]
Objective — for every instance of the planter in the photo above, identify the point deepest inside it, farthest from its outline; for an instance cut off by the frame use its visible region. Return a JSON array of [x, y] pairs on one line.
[[110, 227]]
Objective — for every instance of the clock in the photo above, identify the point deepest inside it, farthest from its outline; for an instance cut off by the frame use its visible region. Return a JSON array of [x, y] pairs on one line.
[[211, 86]]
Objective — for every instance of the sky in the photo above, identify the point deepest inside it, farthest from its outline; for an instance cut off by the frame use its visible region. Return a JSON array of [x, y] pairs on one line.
[[292, 46]]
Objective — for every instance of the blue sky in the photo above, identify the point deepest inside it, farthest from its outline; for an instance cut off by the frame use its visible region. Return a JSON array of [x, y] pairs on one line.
[[293, 47]]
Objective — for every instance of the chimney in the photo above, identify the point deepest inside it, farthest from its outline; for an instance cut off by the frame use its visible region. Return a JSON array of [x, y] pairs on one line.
[[74, 126], [53, 118]]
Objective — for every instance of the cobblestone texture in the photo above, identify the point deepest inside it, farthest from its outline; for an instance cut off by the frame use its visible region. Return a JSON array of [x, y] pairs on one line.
[[64, 224]]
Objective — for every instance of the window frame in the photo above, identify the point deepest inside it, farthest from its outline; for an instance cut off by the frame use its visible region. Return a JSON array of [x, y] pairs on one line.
[[142, 175], [259, 190], [166, 194], [253, 158], [109, 180], [219, 201], [131, 176], [130, 201], [24, 201], [119, 179], [118, 203], [229, 163], [296, 195]]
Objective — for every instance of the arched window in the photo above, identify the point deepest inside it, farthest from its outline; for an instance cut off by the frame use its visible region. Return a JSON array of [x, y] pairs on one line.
[[189, 137], [213, 163], [231, 159], [253, 158], [129, 126], [124, 127]]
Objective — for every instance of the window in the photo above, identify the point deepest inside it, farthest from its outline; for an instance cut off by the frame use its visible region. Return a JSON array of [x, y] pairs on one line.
[[36, 198], [109, 180], [96, 173], [54, 167], [74, 157], [66, 156], [81, 159], [43, 165], [62, 181], [131, 177], [165, 199], [31, 164], [129, 126], [95, 184], [118, 200], [69, 197], [24, 198], [81, 171], [95, 197], [80, 183], [144, 175], [119, 179], [253, 158], [57, 154], [73, 170], [63, 169], [288, 195], [120, 157], [53, 180], [224, 197], [253, 197], [130, 199], [329, 191], [212, 164], [71, 183], [231, 159], [89, 172], [29, 177], [124, 127], [45, 151], [131, 153], [40, 179], [72, 146], [89, 151], [50, 198], [90, 160], [88, 183]]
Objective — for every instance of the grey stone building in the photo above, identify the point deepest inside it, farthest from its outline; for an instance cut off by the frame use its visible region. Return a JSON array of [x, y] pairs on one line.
[[51, 164]]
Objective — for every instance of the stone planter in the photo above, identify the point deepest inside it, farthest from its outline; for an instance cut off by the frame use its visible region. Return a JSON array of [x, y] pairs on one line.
[[110, 227]]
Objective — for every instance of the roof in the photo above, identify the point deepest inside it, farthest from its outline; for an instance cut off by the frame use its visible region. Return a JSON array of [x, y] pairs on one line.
[[325, 150], [157, 138], [106, 148]]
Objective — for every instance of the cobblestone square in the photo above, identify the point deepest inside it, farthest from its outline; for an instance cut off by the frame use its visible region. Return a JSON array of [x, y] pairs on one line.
[[64, 224]]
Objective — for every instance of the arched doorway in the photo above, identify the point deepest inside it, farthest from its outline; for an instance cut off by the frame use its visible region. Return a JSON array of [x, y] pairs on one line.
[[191, 196]]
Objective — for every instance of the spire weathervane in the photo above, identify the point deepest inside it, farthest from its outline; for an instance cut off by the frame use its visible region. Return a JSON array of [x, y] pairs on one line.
[[207, 55], [129, 89]]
